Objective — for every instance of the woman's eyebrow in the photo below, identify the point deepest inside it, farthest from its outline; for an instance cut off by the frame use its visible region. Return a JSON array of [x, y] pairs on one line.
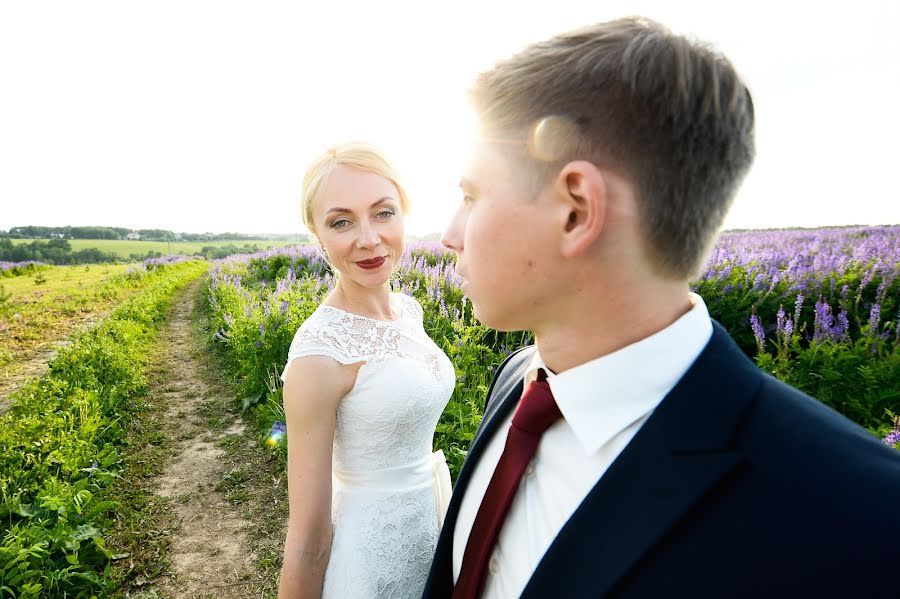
[[375, 203]]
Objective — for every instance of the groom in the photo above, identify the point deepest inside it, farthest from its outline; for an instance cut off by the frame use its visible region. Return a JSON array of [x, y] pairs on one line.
[[634, 451]]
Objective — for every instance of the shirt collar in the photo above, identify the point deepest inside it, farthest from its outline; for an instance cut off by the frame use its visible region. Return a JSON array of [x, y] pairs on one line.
[[602, 397]]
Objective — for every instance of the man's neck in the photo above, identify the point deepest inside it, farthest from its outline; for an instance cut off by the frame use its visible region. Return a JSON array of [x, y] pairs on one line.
[[590, 326]]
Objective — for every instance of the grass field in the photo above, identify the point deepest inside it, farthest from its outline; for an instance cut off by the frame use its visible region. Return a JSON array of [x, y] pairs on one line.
[[47, 306], [124, 247]]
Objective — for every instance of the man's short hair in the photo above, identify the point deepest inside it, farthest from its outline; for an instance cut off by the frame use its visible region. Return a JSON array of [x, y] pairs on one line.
[[668, 113]]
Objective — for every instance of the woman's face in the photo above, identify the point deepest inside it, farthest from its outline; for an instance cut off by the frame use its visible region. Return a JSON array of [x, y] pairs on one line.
[[360, 224]]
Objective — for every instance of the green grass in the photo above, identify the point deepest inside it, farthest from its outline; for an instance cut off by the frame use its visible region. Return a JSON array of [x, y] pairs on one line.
[[49, 305], [124, 248], [65, 436], [60, 280]]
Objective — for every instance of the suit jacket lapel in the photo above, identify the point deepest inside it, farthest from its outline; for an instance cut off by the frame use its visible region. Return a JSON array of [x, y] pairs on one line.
[[505, 392], [502, 398], [679, 454]]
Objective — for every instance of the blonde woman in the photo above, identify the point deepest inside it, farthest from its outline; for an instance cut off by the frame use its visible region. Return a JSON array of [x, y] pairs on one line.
[[364, 387]]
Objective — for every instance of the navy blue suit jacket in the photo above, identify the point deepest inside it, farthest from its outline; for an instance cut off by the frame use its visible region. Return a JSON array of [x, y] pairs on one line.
[[736, 486]]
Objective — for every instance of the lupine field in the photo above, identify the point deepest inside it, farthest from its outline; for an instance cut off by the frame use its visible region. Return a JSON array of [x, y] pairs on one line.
[[816, 308], [819, 309]]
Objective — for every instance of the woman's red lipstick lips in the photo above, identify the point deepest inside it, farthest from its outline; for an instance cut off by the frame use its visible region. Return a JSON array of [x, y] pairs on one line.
[[371, 264]]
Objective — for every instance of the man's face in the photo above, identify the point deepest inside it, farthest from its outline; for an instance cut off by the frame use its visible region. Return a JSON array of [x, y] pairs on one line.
[[504, 241]]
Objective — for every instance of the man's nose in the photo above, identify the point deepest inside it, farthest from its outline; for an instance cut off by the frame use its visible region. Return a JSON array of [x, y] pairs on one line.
[[453, 235]]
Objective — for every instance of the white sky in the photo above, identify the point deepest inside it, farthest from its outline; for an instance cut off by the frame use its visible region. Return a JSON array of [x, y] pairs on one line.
[[201, 116]]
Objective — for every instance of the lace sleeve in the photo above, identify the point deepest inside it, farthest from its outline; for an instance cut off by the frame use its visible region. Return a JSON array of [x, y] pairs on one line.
[[413, 306], [321, 339]]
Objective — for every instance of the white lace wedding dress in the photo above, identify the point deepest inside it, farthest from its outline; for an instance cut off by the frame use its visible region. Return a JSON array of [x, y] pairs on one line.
[[390, 491]]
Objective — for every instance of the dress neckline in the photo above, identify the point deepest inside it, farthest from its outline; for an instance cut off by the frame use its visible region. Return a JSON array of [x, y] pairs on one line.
[[353, 314]]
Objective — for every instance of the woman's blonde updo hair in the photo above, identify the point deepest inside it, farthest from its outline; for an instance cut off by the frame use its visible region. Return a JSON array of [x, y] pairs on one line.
[[356, 155]]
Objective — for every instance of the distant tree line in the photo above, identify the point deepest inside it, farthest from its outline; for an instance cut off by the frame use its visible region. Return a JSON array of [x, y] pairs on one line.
[[55, 251], [71, 232], [59, 252]]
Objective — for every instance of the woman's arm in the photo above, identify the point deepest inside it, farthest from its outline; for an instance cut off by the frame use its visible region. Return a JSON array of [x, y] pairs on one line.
[[313, 387]]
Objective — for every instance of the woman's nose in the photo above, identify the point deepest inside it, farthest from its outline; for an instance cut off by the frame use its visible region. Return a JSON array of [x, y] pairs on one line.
[[368, 237]]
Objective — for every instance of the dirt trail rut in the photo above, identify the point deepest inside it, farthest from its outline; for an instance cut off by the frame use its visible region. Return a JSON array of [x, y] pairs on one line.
[[210, 554]]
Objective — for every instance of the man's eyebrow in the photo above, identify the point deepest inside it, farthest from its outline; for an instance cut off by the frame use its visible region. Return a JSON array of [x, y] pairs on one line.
[[375, 203], [467, 185]]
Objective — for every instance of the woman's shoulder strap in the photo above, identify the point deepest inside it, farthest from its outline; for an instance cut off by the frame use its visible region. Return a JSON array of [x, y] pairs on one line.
[[321, 336]]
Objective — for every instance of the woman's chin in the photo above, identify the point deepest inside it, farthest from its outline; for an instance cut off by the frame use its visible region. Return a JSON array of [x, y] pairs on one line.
[[372, 280]]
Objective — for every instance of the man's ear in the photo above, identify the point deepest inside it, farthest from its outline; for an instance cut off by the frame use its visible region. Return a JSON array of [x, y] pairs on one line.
[[583, 202]]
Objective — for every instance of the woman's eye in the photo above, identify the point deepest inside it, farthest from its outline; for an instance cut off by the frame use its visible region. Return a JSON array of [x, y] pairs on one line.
[[467, 199], [339, 224], [385, 214]]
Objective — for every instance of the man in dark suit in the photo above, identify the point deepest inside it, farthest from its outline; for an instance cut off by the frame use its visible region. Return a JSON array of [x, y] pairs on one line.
[[634, 451]]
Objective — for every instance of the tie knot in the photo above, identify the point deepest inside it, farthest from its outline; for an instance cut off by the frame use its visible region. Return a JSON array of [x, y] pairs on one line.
[[537, 410]]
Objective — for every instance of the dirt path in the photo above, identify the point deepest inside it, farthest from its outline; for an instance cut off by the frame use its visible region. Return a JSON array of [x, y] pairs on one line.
[[211, 553]]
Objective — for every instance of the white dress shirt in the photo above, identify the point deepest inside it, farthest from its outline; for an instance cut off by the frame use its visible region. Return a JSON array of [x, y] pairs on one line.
[[604, 403]]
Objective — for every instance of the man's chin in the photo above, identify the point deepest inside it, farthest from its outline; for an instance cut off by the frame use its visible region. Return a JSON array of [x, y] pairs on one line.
[[495, 317]]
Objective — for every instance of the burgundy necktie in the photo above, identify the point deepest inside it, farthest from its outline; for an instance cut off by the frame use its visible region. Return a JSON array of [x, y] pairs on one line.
[[536, 412]]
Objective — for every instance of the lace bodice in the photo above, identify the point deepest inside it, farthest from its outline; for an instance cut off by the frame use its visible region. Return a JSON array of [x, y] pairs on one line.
[[383, 507], [390, 414]]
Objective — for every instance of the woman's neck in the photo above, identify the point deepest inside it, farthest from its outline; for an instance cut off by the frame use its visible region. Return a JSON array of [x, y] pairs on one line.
[[366, 301]]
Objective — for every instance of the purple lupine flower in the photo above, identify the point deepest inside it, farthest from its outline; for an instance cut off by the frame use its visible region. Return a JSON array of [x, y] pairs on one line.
[[867, 278], [759, 282], [758, 332], [12, 265], [788, 328], [798, 306], [882, 288], [892, 437], [842, 328], [262, 329], [779, 322], [874, 318], [823, 321], [284, 306]]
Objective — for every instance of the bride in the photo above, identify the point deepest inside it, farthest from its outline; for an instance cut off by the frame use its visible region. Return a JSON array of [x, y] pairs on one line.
[[364, 387]]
